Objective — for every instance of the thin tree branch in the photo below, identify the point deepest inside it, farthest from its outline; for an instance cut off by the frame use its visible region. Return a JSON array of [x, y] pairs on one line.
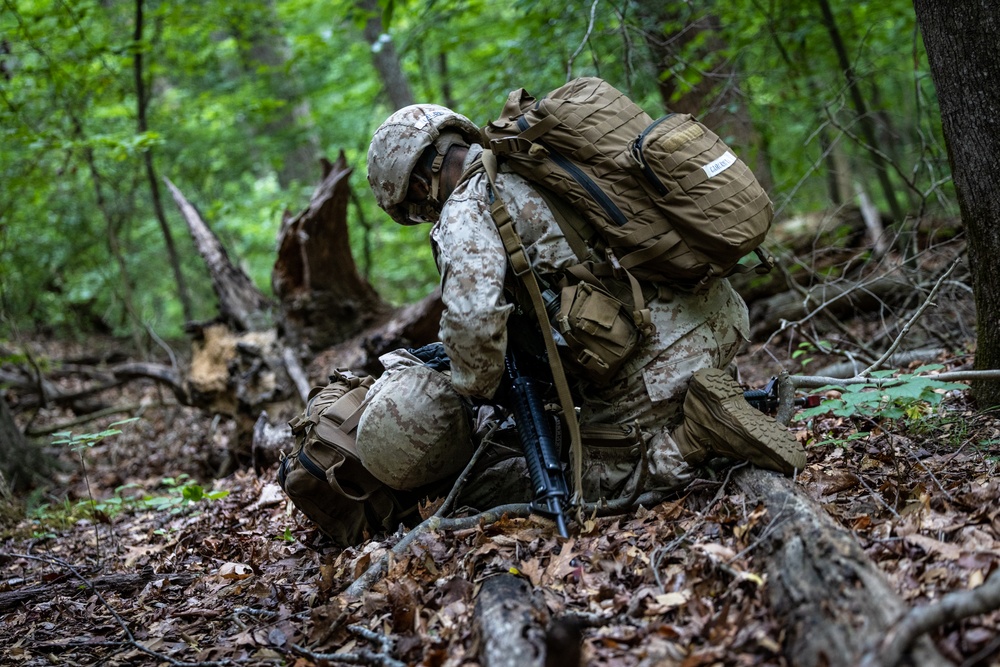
[[817, 381], [130, 638], [953, 607], [515, 510], [909, 323], [586, 38]]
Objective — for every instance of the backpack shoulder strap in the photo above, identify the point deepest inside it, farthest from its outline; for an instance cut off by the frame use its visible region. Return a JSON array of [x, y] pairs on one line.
[[521, 266]]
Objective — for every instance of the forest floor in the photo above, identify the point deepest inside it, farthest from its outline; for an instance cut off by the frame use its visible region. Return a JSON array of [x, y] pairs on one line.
[[138, 555]]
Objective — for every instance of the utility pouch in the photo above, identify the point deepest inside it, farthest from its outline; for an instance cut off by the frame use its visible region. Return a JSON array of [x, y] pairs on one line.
[[611, 457], [599, 331]]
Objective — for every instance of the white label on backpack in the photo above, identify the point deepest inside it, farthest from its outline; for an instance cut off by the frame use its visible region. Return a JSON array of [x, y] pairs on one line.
[[719, 165]]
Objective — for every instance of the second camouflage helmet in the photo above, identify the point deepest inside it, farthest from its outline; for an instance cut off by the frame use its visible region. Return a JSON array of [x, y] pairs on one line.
[[399, 143]]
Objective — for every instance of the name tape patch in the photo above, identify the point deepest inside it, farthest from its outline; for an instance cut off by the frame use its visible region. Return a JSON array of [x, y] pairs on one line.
[[720, 164]]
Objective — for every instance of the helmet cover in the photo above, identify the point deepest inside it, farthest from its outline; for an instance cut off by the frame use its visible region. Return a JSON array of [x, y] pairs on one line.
[[398, 145], [415, 428]]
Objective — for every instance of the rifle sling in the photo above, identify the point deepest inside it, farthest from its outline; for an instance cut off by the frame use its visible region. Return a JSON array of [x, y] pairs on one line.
[[519, 263]]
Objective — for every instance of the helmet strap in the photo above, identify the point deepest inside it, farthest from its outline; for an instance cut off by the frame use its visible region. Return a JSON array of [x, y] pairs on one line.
[[435, 194]]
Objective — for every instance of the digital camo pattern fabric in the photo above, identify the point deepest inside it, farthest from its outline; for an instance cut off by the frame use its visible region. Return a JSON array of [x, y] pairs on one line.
[[415, 429]]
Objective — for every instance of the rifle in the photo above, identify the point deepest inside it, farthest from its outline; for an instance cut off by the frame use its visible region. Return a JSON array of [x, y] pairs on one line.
[[541, 451], [766, 399]]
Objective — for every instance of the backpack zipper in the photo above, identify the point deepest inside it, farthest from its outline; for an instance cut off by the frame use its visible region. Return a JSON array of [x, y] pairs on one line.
[[594, 190], [637, 154], [311, 466]]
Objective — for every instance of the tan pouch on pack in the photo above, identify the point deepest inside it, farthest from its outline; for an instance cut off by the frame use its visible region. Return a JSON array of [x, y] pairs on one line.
[[598, 329], [323, 475]]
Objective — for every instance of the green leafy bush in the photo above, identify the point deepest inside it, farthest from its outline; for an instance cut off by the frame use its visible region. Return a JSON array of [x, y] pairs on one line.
[[909, 395]]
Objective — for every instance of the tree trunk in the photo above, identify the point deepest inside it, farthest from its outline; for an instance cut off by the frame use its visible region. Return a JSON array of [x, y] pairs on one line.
[[831, 599], [142, 102], [386, 60], [265, 55], [866, 121], [960, 39], [716, 99], [323, 299], [20, 460]]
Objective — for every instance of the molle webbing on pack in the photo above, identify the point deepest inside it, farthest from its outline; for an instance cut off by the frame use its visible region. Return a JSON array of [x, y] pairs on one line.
[[668, 198]]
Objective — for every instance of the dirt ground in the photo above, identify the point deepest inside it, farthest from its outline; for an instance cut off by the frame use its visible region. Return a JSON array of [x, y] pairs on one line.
[[138, 554]]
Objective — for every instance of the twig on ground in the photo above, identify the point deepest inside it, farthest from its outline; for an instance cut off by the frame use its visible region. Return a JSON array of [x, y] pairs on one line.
[[429, 525], [515, 510], [817, 381], [771, 526], [661, 552], [953, 607], [387, 643], [876, 497], [362, 657], [810, 296], [459, 484]]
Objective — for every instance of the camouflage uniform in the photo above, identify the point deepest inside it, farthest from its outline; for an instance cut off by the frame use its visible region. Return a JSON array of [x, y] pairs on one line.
[[692, 331]]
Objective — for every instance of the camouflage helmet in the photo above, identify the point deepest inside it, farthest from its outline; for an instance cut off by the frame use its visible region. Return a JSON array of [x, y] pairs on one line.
[[398, 145]]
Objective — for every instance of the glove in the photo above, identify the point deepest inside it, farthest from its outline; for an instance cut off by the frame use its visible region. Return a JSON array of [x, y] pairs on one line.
[[433, 356]]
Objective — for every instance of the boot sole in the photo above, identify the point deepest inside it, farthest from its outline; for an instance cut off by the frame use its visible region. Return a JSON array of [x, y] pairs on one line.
[[765, 442]]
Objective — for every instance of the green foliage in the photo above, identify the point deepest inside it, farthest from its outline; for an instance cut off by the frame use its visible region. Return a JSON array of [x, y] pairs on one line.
[[84, 440], [244, 97], [806, 349], [180, 495], [908, 395]]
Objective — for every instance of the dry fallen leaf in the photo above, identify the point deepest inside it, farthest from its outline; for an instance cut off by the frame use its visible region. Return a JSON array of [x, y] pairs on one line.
[[930, 545], [235, 571], [269, 496]]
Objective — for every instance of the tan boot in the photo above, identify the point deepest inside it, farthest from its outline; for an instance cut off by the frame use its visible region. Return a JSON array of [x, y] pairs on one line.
[[719, 421]]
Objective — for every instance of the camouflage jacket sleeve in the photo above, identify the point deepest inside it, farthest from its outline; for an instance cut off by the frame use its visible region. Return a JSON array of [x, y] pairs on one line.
[[472, 263]]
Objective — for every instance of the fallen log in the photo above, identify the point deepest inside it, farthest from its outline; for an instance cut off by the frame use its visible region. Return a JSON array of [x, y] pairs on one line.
[[241, 305], [831, 599], [508, 624]]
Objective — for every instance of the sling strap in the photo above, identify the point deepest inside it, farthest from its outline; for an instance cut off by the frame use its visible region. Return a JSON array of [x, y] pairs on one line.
[[521, 267]]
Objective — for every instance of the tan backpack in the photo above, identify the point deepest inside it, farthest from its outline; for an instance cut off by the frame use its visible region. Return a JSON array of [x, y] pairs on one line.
[[323, 476], [668, 199]]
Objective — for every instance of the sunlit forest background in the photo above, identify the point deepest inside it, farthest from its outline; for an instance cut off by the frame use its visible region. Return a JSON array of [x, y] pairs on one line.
[[236, 102]]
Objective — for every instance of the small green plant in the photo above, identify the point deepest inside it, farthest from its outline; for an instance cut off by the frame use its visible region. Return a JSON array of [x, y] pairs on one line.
[[181, 494], [806, 349], [989, 448], [79, 443], [909, 395], [845, 441]]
